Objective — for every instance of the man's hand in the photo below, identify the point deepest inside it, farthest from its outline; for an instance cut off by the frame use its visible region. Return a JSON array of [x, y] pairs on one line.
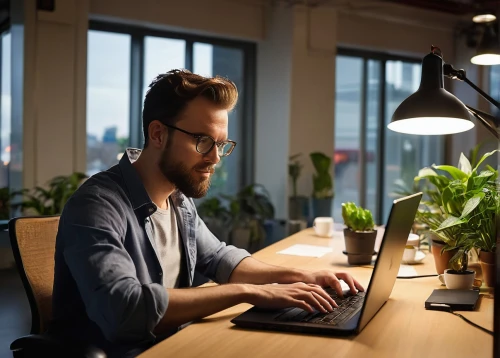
[[302, 295], [327, 278]]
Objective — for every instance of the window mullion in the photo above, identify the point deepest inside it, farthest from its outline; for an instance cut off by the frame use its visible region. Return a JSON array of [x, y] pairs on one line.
[[189, 55], [362, 136], [381, 144], [136, 85]]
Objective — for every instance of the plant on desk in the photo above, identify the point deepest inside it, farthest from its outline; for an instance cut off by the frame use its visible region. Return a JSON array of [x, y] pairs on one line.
[[462, 209], [297, 204], [51, 199], [322, 185], [359, 235]]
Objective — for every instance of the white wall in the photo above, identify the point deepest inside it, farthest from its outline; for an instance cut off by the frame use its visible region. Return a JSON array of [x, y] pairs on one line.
[[273, 99], [53, 100], [231, 19]]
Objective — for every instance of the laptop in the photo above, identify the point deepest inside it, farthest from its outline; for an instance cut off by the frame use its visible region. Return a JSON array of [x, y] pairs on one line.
[[354, 311]]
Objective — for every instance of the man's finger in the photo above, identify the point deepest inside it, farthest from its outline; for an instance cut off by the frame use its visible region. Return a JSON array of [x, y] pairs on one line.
[[351, 282], [303, 304], [324, 302], [334, 283], [358, 285], [320, 291], [314, 302]]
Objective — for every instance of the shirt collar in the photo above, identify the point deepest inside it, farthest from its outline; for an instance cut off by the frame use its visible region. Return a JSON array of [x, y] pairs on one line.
[[141, 202]]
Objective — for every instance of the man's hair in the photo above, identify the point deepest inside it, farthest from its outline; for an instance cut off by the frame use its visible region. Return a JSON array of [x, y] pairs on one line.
[[169, 94]]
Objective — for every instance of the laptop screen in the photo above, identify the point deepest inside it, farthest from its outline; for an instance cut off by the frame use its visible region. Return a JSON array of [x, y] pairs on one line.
[[386, 269]]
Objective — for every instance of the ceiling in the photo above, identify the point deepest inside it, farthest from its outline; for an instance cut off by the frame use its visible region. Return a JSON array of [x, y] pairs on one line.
[[452, 7], [456, 7]]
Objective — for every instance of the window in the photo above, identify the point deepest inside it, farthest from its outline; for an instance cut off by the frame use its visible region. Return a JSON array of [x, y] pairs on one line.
[[209, 60], [160, 56], [122, 63], [5, 108], [108, 95], [495, 83], [369, 158]]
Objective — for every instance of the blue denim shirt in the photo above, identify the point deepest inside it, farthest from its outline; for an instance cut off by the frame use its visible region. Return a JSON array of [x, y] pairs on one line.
[[108, 278]]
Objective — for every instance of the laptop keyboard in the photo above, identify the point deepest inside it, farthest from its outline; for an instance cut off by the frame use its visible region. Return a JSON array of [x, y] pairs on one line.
[[349, 305]]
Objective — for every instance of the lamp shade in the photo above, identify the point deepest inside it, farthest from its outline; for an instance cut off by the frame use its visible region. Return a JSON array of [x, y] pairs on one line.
[[431, 110], [488, 51]]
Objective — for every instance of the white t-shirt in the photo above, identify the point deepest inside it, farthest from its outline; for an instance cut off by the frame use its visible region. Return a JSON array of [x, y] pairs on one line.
[[168, 245]]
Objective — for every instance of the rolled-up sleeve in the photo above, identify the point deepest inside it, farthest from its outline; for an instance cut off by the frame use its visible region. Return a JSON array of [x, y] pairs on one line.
[[215, 259], [93, 228]]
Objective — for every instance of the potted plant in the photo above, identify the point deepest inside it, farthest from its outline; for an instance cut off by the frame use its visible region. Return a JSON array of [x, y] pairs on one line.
[[49, 200], [322, 185], [297, 204], [216, 216], [249, 209], [359, 235], [463, 209]]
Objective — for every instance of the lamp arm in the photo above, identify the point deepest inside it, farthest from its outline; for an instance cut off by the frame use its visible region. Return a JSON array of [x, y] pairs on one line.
[[480, 116], [455, 74]]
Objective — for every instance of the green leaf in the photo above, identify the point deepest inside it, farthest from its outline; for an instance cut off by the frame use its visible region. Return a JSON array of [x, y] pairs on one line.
[[454, 172], [484, 157], [451, 221], [424, 173], [471, 204], [464, 164]]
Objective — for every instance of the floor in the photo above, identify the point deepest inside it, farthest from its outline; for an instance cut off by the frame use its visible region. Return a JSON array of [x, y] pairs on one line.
[[15, 315]]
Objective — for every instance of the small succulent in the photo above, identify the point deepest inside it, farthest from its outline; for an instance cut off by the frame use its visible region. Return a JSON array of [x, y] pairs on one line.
[[356, 218]]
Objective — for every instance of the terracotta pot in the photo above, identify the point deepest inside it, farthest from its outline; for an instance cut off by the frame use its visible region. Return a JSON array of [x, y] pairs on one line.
[[442, 262], [487, 260], [359, 246]]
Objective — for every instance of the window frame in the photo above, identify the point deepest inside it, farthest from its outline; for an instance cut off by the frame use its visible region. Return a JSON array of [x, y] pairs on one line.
[[247, 102]]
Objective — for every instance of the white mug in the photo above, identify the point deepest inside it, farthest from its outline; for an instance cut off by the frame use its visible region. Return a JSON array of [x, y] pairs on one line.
[[409, 253], [459, 280], [323, 226], [413, 240]]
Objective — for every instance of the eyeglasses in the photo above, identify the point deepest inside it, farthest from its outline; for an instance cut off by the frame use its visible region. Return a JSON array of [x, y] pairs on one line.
[[205, 143]]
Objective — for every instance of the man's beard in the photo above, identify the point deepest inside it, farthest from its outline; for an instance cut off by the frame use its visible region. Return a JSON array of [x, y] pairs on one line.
[[182, 177]]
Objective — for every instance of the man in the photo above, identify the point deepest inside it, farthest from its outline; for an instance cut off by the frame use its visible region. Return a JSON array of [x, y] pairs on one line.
[[130, 239]]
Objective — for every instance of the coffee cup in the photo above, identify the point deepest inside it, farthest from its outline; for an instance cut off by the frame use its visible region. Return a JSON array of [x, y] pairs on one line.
[[413, 240], [459, 280], [323, 226], [409, 253]]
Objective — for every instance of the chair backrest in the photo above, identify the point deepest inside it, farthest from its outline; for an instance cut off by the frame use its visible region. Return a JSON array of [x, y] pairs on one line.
[[33, 242]]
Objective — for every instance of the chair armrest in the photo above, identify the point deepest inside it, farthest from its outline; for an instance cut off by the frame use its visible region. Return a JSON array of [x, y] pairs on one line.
[[40, 345]]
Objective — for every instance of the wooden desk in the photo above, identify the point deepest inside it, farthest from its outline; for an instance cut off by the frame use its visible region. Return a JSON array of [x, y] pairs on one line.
[[402, 327]]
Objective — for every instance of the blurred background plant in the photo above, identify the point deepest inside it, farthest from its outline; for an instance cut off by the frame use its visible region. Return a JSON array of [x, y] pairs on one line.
[[49, 200]]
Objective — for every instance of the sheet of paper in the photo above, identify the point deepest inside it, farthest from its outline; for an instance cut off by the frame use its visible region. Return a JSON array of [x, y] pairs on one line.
[[407, 270], [306, 250]]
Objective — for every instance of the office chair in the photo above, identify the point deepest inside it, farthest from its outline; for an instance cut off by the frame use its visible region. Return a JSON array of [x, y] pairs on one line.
[[33, 244]]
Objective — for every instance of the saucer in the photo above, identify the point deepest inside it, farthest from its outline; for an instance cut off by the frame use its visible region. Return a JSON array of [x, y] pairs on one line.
[[419, 256], [345, 252]]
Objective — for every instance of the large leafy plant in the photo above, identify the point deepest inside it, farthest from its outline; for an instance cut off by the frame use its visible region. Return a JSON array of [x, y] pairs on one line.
[[322, 180], [462, 209], [50, 200], [356, 218]]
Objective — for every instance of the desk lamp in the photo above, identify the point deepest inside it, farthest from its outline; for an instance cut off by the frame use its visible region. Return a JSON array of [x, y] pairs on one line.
[[432, 110]]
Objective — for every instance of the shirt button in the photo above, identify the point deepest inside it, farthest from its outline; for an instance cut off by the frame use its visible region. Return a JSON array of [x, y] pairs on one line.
[[151, 210], [160, 273]]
